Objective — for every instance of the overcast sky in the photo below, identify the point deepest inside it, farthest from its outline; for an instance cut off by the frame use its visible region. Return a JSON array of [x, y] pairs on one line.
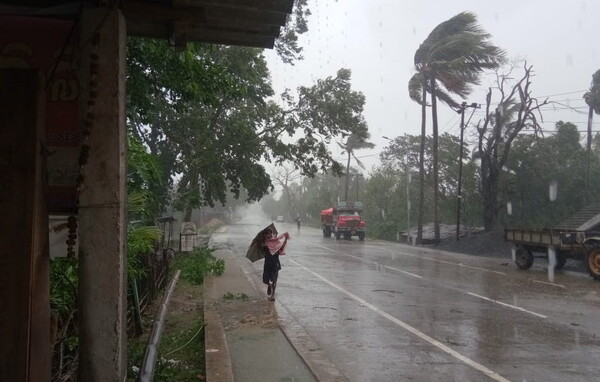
[[377, 40]]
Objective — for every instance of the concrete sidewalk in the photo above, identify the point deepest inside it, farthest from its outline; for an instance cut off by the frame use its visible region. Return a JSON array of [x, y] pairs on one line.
[[251, 339]]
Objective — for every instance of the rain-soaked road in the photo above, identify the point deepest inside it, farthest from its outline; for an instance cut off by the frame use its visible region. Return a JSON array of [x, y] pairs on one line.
[[386, 312]]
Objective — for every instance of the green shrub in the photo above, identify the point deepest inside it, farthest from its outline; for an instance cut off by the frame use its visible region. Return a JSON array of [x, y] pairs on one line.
[[194, 266]]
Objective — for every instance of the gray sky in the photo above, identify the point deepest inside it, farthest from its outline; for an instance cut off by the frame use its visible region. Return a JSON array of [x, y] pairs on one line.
[[377, 40]]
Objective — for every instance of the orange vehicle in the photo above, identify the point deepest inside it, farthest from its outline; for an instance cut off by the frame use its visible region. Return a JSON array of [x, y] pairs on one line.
[[344, 219]]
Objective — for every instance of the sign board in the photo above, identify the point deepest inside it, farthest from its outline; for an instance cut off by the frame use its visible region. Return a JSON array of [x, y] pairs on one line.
[[44, 44], [187, 236]]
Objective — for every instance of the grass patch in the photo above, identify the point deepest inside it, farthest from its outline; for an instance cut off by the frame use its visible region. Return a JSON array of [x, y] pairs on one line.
[[181, 349], [237, 296]]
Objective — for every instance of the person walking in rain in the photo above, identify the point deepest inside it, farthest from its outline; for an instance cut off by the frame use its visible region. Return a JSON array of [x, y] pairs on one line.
[[273, 247], [298, 222]]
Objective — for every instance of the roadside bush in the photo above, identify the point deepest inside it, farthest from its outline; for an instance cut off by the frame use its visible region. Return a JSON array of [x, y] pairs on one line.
[[385, 230], [197, 264]]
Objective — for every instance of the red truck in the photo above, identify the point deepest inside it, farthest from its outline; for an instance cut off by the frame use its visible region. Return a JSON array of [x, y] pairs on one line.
[[344, 219]]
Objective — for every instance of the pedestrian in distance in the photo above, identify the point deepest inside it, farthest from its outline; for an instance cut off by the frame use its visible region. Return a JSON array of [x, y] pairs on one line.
[[273, 247], [298, 222]]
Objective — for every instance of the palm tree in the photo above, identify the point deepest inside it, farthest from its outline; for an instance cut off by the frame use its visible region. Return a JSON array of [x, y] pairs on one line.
[[417, 89], [592, 99], [358, 140], [450, 61]]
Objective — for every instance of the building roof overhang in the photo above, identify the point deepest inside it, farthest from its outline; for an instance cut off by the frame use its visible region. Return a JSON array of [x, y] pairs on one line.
[[254, 23]]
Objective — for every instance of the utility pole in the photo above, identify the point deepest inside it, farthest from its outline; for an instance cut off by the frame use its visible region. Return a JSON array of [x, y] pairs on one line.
[[408, 207], [461, 111]]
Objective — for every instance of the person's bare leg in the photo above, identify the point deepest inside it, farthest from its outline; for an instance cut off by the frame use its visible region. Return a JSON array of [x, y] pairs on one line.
[[273, 292]]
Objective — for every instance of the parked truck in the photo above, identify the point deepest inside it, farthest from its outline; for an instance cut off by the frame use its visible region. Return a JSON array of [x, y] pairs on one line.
[[344, 219], [577, 237]]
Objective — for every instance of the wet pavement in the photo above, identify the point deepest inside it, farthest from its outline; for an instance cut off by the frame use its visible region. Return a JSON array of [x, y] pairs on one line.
[[384, 311]]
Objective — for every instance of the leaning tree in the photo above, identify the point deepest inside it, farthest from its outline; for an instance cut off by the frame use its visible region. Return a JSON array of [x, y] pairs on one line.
[[449, 62], [515, 110]]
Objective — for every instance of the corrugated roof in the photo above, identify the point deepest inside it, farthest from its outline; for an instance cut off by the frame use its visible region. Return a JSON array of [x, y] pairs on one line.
[[588, 218]]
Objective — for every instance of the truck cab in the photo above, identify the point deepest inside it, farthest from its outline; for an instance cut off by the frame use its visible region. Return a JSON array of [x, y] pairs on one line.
[[344, 219]]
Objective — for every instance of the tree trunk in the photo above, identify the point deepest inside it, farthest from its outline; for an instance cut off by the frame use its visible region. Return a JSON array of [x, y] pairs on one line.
[[489, 182], [187, 214], [347, 177], [589, 155], [490, 208], [193, 184], [422, 165], [436, 196]]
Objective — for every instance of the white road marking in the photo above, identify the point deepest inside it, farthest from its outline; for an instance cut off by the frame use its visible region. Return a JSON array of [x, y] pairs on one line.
[[368, 261], [547, 283], [385, 266], [507, 305], [401, 271], [421, 257], [490, 373], [442, 261], [451, 263]]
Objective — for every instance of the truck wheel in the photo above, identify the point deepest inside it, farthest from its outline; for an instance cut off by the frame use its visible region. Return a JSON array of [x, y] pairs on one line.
[[561, 260], [593, 262], [337, 236], [524, 258], [347, 236], [361, 236], [325, 231]]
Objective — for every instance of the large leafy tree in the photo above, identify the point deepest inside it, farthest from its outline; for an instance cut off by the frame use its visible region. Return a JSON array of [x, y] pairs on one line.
[[402, 155], [592, 99], [450, 61], [214, 128], [556, 159]]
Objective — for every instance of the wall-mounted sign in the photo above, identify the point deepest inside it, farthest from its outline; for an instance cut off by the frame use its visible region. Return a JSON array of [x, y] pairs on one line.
[[43, 44]]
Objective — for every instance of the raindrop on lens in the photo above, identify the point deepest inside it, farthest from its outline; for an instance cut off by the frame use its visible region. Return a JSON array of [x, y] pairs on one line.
[[553, 190], [509, 208]]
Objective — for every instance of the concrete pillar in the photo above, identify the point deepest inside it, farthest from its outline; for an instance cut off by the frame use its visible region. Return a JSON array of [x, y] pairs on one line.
[[103, 195], [24, 261]]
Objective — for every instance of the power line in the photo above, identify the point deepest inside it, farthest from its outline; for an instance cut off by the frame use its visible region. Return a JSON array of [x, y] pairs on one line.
[[558, 94]]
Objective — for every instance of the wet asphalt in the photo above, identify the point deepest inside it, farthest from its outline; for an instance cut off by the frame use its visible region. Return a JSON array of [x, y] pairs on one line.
[[385, 311]]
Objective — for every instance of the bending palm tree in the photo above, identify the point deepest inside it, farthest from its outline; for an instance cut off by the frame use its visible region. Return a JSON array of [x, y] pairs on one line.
[[355, 141], [450, 61], [592, 99]]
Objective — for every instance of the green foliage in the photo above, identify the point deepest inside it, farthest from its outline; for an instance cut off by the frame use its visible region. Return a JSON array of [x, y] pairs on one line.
[[384, 230], [455, 53], [536, 163], [237, 296], [217, 140], [592, 97], [141, 240], [181, 352], [286, 45], [145, 182], [63, 303], [196, 265], [181, 356], [63, 285]]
